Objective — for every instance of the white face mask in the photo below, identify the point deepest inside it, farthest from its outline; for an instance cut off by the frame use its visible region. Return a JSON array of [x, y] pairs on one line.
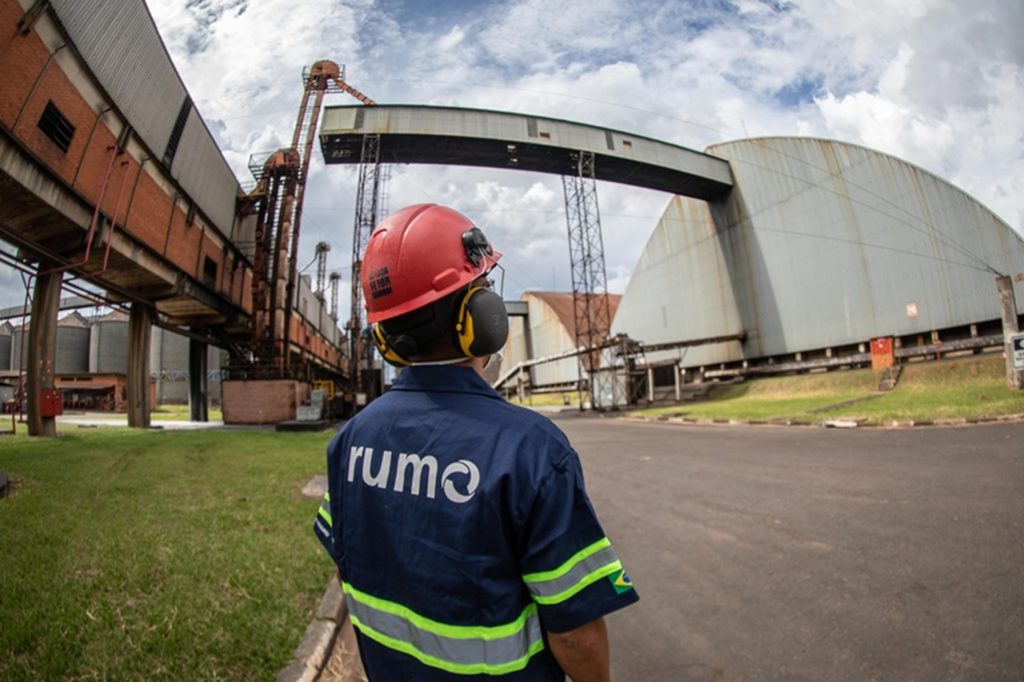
[[492, 370]]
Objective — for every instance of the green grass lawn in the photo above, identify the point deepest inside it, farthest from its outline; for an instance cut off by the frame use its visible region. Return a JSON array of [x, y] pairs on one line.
[[970, 387], [140, 554], [965, 388]]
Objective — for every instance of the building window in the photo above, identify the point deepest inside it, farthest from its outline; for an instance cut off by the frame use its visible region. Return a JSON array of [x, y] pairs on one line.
[[209, 271], [190, 215], [56, 126]]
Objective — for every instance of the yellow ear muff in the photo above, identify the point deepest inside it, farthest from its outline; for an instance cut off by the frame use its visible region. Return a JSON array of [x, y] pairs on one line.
[[482, 324], [386, 351], [464, 323]]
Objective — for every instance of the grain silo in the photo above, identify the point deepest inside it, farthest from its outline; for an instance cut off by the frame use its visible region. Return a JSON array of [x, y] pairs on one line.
[[72, 345], [108, 352], [5, 346], [821, 247]]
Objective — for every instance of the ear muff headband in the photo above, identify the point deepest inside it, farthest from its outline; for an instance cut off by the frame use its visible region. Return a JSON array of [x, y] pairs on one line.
[[481, 327], [389, 354]]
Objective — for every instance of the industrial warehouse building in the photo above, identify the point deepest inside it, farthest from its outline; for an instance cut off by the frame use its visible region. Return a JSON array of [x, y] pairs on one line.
[[92, 356], [548, 329], [820, 247], [92, 360]]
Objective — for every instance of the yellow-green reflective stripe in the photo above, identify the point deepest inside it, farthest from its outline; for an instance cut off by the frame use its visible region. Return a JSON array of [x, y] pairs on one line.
[[568, 565], [585, 581], [458, 668], [443, 629], [325, 508]]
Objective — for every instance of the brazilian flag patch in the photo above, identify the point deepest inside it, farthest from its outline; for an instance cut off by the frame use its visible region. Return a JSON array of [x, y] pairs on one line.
[[620, 581]]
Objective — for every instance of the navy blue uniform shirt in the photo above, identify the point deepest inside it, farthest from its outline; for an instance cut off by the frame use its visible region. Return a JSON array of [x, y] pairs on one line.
[[463, 532]]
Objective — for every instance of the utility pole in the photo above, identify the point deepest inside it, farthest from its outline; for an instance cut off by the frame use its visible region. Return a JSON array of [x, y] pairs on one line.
[[1008, 308]]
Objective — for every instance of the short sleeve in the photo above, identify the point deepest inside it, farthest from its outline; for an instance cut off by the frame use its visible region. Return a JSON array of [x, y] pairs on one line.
[[568, 564]]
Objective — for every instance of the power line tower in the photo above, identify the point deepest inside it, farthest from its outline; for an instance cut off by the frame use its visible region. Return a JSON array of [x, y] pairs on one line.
[[591, 309]]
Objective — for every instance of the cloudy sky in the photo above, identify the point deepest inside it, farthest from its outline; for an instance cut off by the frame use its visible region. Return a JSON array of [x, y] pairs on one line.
[[937, 82]]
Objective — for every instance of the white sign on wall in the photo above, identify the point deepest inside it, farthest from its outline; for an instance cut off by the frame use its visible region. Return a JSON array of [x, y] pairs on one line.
[[1017, 347]]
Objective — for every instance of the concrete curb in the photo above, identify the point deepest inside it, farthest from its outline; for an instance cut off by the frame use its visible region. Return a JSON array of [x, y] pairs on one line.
[[831, 423], [313, 651]]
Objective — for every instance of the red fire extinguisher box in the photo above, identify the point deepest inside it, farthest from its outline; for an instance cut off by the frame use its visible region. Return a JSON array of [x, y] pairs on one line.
[[882, 353], [51, 402]]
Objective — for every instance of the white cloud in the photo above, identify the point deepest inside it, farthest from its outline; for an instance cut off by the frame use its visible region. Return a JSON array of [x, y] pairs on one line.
[[937, 82]]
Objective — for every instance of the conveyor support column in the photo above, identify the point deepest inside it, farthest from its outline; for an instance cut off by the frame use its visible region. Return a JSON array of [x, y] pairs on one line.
[[198, 388], [139, 327], [42, 349]]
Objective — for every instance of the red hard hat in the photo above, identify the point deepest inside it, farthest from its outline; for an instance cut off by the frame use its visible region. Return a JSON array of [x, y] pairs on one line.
[[418, 255]]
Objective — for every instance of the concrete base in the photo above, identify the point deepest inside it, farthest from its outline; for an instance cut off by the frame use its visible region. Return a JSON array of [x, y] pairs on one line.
[[262, 401]]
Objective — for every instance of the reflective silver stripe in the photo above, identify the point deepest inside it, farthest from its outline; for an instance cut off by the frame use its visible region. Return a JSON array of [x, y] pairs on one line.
[[463, 654], [577, 574], [325, 508]]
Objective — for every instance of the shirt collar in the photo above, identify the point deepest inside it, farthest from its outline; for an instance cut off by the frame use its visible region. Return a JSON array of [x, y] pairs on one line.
[[443, 378]]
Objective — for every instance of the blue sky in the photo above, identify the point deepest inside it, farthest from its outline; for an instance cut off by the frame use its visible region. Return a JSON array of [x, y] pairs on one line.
[[939, 83]]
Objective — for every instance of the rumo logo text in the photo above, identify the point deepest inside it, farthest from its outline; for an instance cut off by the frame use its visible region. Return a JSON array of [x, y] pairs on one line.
[[414, 474]]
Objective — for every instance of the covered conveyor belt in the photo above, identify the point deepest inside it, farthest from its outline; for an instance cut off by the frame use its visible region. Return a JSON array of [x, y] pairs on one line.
[[473, 137]]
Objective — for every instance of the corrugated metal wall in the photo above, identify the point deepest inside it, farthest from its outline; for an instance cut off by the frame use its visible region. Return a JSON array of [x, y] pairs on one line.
[[121, 45], [204, 174], [821, 244], [72, 350], [108, 349], [548, 336], [5, 351], [681, 288]]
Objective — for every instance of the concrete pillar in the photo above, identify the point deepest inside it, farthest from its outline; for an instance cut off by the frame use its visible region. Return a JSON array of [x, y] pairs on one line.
[[1008, 308], [198, 389], [42, 350], [650, 385], [679, 392], [139, 328]]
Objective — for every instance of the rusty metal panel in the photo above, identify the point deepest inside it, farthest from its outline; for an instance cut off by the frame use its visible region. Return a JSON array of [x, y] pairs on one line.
[[121, 45], [201, 170]]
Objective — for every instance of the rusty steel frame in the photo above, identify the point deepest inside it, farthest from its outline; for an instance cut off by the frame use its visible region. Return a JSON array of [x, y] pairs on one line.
[[278, 197]]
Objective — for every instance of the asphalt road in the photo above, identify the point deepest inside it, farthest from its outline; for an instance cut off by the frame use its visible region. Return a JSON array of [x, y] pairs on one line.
[[812, 554]]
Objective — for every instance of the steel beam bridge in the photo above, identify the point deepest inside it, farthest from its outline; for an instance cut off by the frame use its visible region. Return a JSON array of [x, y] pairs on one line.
[[580, 153]]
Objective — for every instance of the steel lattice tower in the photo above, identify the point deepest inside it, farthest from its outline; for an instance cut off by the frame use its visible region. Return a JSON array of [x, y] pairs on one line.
[[592, 313], [368, 208]]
